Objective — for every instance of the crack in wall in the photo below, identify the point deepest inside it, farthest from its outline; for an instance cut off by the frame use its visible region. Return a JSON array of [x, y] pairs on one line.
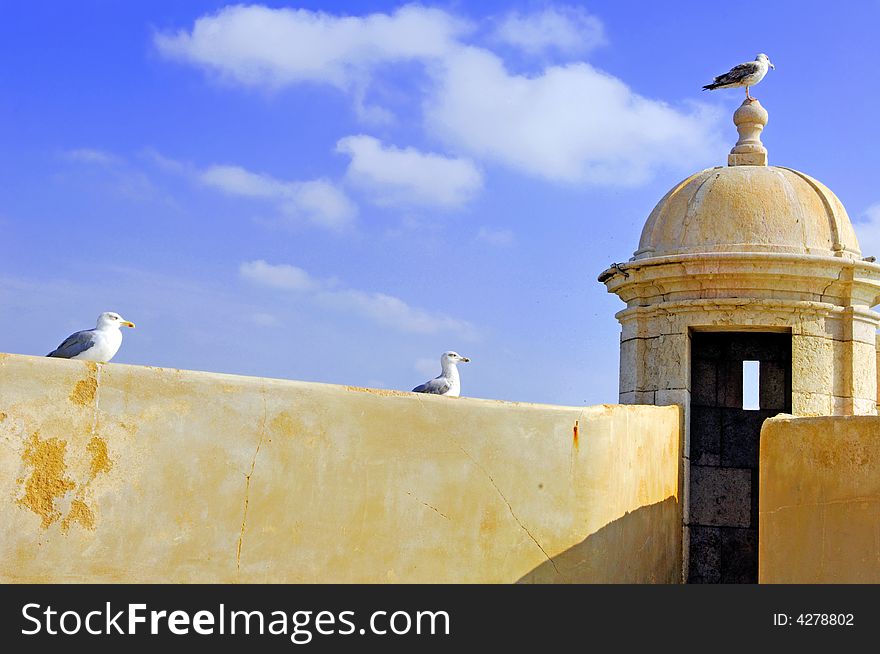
[[852, 500], [836, 281], [509, 507], [430, 506], [247, 486]]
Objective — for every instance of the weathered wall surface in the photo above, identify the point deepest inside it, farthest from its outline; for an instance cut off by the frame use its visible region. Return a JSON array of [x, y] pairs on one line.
[[820, 500], [112, 473]]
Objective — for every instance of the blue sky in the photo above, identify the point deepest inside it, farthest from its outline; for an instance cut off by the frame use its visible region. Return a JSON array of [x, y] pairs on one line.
[[338, 192]]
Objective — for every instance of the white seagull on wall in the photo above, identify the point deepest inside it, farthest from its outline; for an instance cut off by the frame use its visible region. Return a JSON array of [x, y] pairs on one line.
[[98, 344], [448, 383]]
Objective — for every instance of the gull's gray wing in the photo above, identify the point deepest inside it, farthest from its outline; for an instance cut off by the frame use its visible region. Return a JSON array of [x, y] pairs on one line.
[[74, 344], [437, 386], [735, 74]]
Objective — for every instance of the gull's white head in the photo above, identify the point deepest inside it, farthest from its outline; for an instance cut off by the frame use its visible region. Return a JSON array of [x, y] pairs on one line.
[[452, 357], [111, 319], [764, 58]]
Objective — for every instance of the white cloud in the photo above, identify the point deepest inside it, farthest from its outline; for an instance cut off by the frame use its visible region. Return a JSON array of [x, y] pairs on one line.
[[282, 276], [393, 312], [867, 228], [322, 202], [500, 238], [371, 114], [569, 30], [238, 181], [572, 123], [318, 201], [92, 156], [115, 175], [379, 308], [405, 176], [259, 46], [164, 163]]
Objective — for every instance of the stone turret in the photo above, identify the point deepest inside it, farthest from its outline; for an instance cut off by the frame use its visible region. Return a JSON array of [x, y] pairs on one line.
[[747, 262], [750, 247]]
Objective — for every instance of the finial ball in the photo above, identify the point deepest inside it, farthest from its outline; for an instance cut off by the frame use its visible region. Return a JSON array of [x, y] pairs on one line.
[[750, 112], [749, 119]]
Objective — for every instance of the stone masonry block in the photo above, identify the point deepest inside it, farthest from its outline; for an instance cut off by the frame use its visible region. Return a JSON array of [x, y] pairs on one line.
[[864, 374], [666, 362], [804, 403], [739, 437], [813, 364], [705, 555], [739, 554], [629, 364], [720, 497], [704, 380], [705, 435], [772, 389]]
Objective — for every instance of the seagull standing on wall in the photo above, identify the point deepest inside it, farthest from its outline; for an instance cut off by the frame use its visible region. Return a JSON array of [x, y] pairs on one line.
[[98, 344], [448, 383], [747, 74]]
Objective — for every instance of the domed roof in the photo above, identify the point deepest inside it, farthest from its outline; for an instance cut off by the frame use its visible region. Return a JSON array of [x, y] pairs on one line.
[[749, 207]]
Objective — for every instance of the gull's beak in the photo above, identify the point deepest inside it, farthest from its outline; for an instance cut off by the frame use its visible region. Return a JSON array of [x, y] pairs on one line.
[[771, 65], [125, 323], [465, 360]]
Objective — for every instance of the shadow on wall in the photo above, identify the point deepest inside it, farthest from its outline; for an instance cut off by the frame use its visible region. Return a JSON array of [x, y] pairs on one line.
[[640, 547]]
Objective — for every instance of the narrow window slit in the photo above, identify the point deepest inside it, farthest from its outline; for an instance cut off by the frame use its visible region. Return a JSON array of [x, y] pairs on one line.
[[751, 385]]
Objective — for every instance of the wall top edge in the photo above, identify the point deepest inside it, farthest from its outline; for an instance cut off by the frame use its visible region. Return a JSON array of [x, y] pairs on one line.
[[245, 381]]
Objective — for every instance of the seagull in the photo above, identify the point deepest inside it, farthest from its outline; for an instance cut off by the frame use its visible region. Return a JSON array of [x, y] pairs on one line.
[[747, 74], [448, 383], [98, 344]]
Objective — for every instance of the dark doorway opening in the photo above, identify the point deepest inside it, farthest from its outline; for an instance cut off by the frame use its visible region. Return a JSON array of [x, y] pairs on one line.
[[723, 516]]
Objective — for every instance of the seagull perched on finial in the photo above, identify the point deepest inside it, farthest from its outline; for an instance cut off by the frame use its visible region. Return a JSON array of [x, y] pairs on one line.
[[448, 383], [98, 344], [747, 74]]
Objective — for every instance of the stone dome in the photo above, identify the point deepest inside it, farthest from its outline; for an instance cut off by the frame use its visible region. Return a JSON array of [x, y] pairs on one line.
[[749, 206], [749, 209]]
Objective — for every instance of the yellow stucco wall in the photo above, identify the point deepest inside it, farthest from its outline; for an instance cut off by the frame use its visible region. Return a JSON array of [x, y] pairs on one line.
[[127, 473], [820, 500]]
